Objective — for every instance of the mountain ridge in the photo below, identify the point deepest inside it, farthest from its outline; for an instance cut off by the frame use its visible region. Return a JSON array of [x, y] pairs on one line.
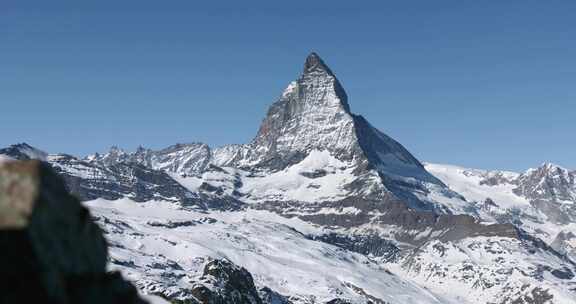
[[320, 176]]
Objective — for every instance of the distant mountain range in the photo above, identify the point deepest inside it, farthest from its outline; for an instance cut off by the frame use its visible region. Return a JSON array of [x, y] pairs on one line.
[[321, 207]]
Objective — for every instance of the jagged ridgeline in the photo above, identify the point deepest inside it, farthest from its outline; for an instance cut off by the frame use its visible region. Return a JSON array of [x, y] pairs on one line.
[[322, 207]]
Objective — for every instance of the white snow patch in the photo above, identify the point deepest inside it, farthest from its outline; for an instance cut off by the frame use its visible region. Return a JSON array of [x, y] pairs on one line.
[[296, 182]]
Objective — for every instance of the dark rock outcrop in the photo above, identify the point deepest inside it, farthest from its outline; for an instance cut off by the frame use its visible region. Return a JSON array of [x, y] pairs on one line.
[[338, 301], [52, 252], [411, 226], [225, 283], [368, 244]]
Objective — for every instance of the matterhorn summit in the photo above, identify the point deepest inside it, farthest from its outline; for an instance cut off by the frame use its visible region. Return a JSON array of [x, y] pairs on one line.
[[312, 114], [312, 117]]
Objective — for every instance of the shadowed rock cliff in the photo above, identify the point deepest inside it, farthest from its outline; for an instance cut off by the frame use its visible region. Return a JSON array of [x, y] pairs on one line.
[[52, 252]]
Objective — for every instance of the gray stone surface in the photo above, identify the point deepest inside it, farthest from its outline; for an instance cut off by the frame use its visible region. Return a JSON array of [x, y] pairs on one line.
[[52, 252], [225, 283]]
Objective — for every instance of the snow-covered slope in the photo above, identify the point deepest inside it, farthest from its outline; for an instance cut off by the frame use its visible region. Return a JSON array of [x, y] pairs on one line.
[[491, 270], [478, 185], [163, 248], [540, 200]]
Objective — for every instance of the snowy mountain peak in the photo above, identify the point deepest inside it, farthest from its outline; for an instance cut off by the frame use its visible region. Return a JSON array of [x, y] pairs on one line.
[[311, 114], [116, 149], [312, 117], [548, 182], [551, 167], [23, 151], [548, 171], [547, 168], [315, 64], [114, 155], [317, 73]]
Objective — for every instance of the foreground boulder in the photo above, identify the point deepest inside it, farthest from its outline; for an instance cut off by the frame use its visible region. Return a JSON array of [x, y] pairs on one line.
[[52, 252]]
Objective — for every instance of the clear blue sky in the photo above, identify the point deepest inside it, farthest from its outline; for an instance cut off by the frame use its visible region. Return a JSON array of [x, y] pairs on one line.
[[488, 84]]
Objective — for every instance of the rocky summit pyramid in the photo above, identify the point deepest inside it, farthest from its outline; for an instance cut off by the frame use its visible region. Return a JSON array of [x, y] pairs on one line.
[[313, 116]]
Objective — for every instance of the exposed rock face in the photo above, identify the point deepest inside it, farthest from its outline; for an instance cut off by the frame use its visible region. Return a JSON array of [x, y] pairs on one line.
[[313, 114], [338, 301], [548, 182], [118, 174], [187, 159], [403, 223], [90, 180], [52, 252], [551, 189], [368, 244], [225, 283]]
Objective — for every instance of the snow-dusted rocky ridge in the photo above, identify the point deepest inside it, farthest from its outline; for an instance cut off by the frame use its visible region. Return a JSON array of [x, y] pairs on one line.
[[540, 201], [320, 206]]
